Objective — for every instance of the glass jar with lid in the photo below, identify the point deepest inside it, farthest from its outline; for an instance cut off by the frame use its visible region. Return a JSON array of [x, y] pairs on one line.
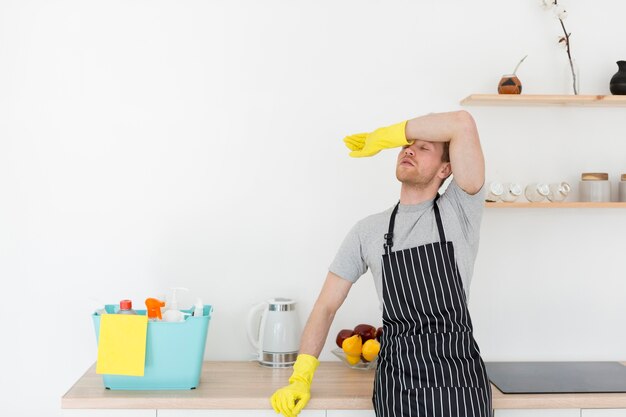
[[622, 189], [494, 192], [558, 191], [511, 193], [536, 192]]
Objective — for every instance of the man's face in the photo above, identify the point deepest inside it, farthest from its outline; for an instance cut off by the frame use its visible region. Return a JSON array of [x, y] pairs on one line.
[[420, 163]]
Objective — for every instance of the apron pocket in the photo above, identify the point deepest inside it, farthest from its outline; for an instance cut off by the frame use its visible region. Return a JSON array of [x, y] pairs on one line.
[[437, 360], [447, 401]]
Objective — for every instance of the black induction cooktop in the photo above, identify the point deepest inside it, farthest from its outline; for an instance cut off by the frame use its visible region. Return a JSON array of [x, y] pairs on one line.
[[557, 377]]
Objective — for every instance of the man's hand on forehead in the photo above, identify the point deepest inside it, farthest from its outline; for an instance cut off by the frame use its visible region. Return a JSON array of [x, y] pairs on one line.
[[369, 144]]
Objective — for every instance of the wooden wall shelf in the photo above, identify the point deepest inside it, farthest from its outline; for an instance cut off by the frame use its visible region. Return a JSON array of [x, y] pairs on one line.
[[574, 204], [544, 100]]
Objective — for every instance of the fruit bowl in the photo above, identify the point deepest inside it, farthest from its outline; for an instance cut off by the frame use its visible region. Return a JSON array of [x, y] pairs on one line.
[[359, 365]]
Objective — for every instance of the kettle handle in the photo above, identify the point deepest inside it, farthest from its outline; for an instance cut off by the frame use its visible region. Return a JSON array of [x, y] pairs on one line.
[[254, 311]]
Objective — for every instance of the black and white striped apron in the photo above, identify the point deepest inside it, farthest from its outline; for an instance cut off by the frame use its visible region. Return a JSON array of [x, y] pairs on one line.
[[429, 363]]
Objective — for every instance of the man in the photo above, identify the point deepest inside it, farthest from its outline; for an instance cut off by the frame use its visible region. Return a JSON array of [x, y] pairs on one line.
[[421, 253]]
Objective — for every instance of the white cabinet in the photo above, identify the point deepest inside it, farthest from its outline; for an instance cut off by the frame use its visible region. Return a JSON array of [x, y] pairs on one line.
[[78, 412], [235, 413], [603, 412], [568, 412], [350, 413], [574, 412]]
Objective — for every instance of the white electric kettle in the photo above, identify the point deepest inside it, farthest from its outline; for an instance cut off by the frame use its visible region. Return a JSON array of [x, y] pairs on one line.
[[276, 337]]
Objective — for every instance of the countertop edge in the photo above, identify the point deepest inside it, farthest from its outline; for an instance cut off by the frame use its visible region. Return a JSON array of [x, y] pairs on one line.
[[336, 387]]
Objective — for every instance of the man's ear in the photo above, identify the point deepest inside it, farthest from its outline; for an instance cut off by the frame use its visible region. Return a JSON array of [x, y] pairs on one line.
[[445, 171]]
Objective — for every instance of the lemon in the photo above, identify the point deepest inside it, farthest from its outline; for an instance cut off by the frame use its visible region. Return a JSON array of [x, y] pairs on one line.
[[370, 349]]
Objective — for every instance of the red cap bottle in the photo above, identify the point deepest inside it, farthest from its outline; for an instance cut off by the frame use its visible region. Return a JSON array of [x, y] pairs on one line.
[[126, 307]]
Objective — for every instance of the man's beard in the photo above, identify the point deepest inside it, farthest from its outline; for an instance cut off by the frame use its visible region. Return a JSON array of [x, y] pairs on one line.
[[418, 180]]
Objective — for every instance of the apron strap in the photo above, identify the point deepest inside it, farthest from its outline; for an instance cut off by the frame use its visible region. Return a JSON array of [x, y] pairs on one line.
[[389, 235], [442, 235]]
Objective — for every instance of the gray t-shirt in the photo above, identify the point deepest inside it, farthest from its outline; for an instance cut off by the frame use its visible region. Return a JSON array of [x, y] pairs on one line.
[[415, 225]]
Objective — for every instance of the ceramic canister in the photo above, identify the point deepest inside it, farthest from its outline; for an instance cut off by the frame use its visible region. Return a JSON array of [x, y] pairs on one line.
[[622, 189], [595, 187]]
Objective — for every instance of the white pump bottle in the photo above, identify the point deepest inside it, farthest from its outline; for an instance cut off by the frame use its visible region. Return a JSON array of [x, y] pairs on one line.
[[173, 314], [198, 309]]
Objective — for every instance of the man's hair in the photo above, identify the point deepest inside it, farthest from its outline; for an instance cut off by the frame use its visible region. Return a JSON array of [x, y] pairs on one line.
[[445, 157]]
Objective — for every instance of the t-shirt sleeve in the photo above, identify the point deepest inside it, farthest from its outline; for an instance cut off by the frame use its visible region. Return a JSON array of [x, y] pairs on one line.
[[468, 208], [349, 263]]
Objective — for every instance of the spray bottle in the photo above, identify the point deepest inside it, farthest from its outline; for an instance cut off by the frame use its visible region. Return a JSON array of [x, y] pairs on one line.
[[173, 314], [153, 307]]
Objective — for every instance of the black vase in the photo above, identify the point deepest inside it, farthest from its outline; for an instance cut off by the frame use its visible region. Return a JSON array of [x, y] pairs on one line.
[[618, 82]]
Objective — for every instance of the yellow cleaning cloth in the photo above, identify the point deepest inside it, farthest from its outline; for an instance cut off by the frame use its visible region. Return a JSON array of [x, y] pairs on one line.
[[122, 344]]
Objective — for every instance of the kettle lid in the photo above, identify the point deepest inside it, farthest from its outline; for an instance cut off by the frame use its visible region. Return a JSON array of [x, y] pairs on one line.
[[281, 304]]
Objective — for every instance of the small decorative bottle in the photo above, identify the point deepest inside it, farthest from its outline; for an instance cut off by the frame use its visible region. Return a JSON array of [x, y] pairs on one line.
[[618, 81]]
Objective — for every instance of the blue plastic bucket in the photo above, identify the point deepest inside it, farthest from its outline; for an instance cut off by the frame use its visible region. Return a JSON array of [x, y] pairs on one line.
[[174, 354]]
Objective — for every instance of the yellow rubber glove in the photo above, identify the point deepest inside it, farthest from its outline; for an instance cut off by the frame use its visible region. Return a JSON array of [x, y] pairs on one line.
[[369, 144], [290, 400]]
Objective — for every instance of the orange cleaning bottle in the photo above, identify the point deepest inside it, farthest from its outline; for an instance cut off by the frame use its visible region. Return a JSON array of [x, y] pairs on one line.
[[153, 307]]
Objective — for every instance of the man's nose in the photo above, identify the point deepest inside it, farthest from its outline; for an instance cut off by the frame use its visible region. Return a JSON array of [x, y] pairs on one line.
[[408, 151]]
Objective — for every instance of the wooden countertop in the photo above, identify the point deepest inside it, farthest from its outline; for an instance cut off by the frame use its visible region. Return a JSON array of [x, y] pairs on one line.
[[247, 385]]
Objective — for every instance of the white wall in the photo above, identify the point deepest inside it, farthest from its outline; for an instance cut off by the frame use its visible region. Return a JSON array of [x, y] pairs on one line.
[[150, 144]]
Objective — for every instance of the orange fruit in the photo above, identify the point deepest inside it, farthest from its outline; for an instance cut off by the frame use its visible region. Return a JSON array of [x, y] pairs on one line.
[[352, 346], [370, 349]]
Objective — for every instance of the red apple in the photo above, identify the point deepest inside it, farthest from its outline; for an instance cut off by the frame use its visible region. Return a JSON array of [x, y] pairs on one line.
[[366, 332], [343, 335], [379, 333]]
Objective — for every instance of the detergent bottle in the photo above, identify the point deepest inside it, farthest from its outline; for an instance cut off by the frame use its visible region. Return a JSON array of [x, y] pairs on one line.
[[126, 307], [153, 308], [173, 314]]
